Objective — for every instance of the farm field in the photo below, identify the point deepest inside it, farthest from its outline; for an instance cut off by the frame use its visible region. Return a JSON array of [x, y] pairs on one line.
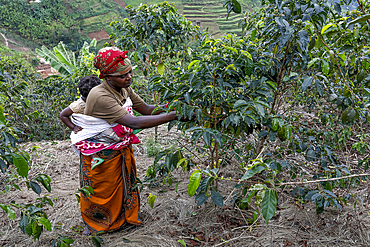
[[175, 216]]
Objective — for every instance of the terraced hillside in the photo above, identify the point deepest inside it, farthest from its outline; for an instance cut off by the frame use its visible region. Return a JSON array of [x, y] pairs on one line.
[[211, 14], [84, 19], [97, 15]]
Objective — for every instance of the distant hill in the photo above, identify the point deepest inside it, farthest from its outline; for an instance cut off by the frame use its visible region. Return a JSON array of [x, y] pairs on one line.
[[46, 22]]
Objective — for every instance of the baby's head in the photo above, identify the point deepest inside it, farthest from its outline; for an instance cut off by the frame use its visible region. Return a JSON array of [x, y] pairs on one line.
[[86, 84]]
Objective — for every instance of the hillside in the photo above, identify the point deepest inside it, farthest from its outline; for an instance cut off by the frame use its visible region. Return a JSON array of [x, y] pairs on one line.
[[32, 24]]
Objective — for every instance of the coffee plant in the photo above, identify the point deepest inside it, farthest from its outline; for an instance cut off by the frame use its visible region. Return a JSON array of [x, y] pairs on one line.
[[14, 162], [294, 57]]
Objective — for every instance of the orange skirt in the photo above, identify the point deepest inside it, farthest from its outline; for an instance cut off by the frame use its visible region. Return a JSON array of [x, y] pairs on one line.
[[115, 201]]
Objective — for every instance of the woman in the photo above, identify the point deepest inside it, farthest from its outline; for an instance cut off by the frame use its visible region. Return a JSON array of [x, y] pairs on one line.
[[116, 200]]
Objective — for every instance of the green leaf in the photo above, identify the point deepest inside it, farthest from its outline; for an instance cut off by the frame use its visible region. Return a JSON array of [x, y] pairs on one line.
[[310, 155], [182, 242], [151, 199], [8, 210], [29, 228], [349, 115], [236, 7], [327, 27], [2, 116], [160, 68], [360, 76], [319, 87], [23, 223], [325, 67], [35, 187], [45, 222], [125, 240], [192, 63], [3, 166], [44, 180], [217, 198], [306, 83], [239, 103], [263, 133], [275, 124], [36, 230], [268, 205], [312, 62], [194, 182], [21, 164], [201, 198], [176, 186], [251, 172], [187, 97], [272, 136], [97, 241], [360, 19]]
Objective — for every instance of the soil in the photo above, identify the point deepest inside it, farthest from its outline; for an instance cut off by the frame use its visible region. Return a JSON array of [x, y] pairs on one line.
[[121, 3], [175, 215], [99, 35]]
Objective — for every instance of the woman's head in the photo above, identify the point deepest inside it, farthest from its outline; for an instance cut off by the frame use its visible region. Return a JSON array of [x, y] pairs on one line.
[[86, 84], [111, 61]]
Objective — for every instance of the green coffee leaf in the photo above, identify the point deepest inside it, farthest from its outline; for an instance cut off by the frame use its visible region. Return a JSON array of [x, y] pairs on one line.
[[8, 210], [2, 116], [306, 83], [45, 222], [151, 199], [251, 172], [35, 187], [360, 19], [182, 242], [268, 205], [236, 7], [349, 115], [97, 241], [160, 68], [194, 182], [275, 124], [217, 198], [23, 223], [125, 240], [21, 164]]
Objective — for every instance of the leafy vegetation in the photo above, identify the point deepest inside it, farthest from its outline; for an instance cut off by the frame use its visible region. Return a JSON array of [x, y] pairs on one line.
[[293, 57], [13, 160], [46, 22]]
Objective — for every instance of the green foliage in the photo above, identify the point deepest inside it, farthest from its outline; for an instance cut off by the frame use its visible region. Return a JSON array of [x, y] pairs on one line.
[[46, 22], [61, 90], [34, 220], [309, 55]]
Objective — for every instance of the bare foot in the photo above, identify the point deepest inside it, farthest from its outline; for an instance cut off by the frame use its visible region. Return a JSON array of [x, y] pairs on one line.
[[86, 232]]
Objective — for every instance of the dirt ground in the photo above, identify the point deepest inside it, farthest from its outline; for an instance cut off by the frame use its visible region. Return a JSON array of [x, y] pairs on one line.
[[99, 35], [175, 215]]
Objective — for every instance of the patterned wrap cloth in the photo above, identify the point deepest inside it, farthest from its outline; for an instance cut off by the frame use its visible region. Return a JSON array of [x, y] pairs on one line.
[[111, 61]]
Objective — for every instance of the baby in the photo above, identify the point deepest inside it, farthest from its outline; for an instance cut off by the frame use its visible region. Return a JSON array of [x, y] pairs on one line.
[[84, 86]]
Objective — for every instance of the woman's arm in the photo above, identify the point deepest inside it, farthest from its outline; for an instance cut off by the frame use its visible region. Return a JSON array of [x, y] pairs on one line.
[[146, 109], [143, 122], [64, 116]]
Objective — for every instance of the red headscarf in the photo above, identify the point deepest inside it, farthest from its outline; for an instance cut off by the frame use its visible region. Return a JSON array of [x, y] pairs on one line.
[[111, 61]]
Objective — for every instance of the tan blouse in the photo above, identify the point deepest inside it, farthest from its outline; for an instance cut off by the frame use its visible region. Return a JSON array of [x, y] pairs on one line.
[[103, 102], [78, 106]]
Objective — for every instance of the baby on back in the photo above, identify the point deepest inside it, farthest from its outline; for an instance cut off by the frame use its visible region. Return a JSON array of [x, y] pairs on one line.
[[91, 135]]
